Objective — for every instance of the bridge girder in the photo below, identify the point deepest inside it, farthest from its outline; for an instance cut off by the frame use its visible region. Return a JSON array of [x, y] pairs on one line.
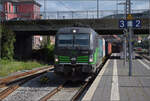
[[50, 27]]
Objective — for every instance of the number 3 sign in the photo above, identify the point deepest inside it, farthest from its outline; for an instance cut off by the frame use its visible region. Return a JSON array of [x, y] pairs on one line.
[[135, 23]]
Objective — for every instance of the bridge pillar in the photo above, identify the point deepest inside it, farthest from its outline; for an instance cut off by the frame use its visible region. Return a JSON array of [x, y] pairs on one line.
[[23, 46]]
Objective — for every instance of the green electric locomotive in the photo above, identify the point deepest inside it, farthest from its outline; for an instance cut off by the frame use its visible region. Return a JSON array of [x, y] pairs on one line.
[[77, 50]]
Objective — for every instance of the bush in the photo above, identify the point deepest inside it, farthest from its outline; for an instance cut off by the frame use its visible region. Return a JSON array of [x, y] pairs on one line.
[[46, 54], [8, 39]]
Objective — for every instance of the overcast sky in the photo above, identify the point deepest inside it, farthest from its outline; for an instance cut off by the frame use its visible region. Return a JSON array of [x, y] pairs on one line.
[[85, 5], [78, 5]]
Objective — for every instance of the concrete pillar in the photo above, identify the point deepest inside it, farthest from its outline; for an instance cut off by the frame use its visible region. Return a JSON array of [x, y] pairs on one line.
[[23, 46]]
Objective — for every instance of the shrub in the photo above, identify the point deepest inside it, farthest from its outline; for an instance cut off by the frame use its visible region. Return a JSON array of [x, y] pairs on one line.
[[8, 39], [46, 54]]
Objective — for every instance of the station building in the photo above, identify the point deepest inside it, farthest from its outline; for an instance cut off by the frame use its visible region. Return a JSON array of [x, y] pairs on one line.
[[20, 9]]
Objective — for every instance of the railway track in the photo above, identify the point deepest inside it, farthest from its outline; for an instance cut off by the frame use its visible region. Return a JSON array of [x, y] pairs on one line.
[[80, 91], [15, 78], [146, 57], [63, 90], [14, 82], [143, 56], [53, 92], [57, 88], [64, 87]]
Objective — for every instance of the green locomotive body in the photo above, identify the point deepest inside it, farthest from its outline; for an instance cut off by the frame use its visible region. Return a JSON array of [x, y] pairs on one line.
[[77, 49]]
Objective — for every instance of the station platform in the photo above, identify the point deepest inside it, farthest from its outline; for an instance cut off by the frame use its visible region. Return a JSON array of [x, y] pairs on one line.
[[113, 83], [147, 57]]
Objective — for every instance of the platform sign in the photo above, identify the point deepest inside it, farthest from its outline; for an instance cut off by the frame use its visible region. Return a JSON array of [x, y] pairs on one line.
[[123, 24], [137, 23], [130, 23]]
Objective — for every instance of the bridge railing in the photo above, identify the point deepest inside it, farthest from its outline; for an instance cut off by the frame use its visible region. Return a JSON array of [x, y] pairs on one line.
[[107, 14]]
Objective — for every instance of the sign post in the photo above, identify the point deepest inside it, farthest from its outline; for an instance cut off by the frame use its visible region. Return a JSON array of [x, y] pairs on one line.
[[130, 48], [129, 18], [125, 46], [128, 24]]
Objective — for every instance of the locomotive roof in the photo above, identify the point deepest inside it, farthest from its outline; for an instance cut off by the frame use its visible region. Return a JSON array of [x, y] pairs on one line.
[[80, 30]]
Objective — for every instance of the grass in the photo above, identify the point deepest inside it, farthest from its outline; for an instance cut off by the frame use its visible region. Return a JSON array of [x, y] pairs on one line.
[[7, 67]]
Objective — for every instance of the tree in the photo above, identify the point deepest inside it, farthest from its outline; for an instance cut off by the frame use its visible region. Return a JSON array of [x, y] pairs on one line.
[[8, 39]]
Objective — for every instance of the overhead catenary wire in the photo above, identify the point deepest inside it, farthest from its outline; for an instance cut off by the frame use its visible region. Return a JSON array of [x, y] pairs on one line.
[[64, 5], [90, 0]]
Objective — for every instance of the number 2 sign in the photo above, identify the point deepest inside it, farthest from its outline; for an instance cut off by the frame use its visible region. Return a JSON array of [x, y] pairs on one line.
[[135, 24]]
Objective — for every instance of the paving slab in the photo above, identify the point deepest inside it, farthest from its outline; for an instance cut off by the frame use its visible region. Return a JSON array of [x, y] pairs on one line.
[[134, 88]]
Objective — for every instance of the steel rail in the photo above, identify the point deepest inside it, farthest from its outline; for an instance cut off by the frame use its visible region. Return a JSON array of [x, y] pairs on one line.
[[88, 83], [53, 92], [146, 57], [5, 81], [12, 88], [80, 91], [76, 96]]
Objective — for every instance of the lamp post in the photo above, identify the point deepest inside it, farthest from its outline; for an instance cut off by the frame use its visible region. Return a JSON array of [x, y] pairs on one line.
[[149, 44], [44, 9], [97, 9]]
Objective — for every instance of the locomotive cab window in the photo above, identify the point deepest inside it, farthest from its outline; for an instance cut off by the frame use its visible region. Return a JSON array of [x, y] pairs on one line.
[[81, 40], [65, 40], [73, 40]]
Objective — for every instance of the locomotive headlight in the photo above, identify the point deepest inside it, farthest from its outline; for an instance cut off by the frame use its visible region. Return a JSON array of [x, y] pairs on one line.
[[91, 58], [74, 31], [56, 58]]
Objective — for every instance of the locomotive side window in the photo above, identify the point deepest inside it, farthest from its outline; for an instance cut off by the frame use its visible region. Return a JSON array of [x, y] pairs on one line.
[[81, 40], [65, 40]]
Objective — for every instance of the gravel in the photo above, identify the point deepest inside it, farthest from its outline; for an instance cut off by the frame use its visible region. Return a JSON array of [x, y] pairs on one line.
[[1, 89], [65, 94], [34, 89]]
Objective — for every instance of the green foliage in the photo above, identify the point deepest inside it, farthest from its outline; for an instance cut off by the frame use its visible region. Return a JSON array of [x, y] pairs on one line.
[[8, 39], [48, 40], [145, 44], [46, 54], [8, 66]]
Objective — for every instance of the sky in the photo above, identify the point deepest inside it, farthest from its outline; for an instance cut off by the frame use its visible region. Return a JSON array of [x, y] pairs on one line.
[[86, 5]]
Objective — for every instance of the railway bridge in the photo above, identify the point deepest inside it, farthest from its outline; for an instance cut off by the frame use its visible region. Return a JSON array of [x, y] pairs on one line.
[[26, 29], [50, 26]]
